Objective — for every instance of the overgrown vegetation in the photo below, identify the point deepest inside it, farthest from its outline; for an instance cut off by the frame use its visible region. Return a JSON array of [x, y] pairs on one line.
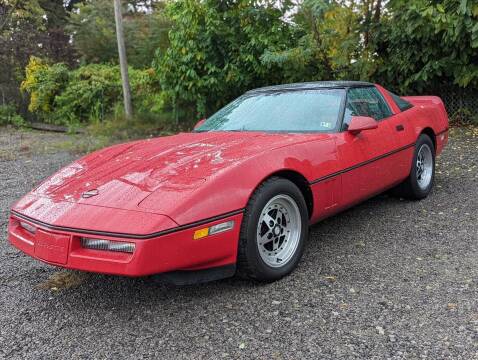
[[189, 57], [9, 116], [92, 26], [425, 44], [90, 93]]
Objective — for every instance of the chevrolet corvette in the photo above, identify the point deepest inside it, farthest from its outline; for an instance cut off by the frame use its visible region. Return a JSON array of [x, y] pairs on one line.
[[237, 194]]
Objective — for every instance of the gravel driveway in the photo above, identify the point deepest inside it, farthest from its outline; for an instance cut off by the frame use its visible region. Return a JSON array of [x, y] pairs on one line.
[[387, 279]]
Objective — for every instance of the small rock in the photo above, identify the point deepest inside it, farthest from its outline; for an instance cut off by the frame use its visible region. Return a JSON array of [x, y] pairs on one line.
[[451, 306], [380, 330]]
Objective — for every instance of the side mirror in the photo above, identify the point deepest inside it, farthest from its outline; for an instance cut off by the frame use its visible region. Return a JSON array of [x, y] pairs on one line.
[[199, 123], [360, 123]]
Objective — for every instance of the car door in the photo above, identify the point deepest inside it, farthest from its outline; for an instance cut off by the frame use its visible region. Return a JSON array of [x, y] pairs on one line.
[[402, 126], [367, 159]]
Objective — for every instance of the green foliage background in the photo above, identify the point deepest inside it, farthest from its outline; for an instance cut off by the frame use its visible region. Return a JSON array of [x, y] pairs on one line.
[[189, 57]]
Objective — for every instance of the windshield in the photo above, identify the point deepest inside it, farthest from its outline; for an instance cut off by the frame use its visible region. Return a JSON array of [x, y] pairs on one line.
[[290, 111]]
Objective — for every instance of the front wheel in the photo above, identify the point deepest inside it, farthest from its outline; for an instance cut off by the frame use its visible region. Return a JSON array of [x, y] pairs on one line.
[[422, 174], [273, 232]]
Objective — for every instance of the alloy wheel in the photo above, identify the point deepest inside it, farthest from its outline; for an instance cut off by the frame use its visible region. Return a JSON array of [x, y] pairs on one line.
[[278, 230]]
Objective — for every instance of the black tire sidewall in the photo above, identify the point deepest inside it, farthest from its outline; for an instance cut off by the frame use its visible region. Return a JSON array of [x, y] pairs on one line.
[[257, 267], [417, 191]]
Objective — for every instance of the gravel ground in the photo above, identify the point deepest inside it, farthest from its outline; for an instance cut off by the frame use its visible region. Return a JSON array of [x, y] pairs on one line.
[[387, 279]]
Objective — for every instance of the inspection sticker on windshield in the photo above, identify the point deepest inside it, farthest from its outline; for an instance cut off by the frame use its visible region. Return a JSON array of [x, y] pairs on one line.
[[326, 124]]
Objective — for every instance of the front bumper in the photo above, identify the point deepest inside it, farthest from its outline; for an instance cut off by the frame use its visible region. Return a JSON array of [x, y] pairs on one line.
[[173, 251]]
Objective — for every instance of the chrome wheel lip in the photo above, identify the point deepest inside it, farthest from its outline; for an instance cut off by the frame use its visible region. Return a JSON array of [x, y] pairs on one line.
[[424, 167], [278, 236]]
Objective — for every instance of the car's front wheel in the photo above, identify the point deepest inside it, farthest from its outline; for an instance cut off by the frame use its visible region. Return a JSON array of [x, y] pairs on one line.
[[273, 232]]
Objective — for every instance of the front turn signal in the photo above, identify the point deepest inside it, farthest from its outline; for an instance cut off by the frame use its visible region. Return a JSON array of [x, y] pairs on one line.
[[215, 229]]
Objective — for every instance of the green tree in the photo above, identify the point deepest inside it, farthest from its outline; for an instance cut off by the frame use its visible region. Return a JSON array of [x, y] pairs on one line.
[[29, 27], [216, 49], [92, 27], [424, 44], [328, 43], [305, 58]]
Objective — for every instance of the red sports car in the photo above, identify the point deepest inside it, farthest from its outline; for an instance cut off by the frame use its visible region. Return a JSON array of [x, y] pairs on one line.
[[239, 192]]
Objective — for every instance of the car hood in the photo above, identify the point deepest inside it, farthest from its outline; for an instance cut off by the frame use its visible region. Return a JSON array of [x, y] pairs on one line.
[[124, 175]]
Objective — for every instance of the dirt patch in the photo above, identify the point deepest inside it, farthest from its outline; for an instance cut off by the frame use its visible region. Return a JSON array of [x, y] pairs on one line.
[[63, 279]]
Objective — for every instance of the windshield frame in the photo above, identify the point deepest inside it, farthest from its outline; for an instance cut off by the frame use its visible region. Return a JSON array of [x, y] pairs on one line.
[[336, 129]]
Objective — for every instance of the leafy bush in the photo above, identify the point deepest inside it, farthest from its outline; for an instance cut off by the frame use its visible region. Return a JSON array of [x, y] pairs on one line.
[[92, 28], [424, 44], [216, 48], [44, 82], [9, 116], [89, 93]]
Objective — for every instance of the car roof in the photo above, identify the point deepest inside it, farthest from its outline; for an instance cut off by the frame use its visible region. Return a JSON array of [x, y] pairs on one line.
[[312, 85]]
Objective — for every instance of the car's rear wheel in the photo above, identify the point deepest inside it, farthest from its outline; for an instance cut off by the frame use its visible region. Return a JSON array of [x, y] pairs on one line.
[[422, 174], [273, 232]]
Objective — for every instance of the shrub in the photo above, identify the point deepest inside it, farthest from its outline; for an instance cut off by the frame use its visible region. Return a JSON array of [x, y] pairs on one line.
[[216, 48], [88, 94], [43, 82], [91, 92], [9, 116]]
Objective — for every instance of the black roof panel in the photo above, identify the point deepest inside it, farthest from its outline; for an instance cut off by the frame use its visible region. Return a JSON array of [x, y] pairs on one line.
[[312, 85]]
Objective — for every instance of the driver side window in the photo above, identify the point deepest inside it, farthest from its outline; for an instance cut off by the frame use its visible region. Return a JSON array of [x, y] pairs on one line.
[[365, 101]]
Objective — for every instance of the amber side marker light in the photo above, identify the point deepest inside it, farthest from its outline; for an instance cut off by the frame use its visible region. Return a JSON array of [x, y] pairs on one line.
[[215, 229], [107, 245]]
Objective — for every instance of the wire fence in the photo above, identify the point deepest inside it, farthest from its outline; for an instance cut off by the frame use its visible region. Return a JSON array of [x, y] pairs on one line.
[[461, 104]]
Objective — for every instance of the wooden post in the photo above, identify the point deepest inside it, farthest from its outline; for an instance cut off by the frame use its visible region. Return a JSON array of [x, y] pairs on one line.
[[128, 107]]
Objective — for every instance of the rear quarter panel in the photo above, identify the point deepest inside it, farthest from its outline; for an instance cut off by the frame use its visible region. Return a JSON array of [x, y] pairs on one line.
[[427, 112]]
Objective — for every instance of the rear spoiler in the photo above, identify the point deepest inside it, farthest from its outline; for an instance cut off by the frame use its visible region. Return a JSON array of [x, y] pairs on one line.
[[424, 100]]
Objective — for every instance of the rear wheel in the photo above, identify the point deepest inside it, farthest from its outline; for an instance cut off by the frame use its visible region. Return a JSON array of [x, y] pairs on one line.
[[422, 174], [273, 231]]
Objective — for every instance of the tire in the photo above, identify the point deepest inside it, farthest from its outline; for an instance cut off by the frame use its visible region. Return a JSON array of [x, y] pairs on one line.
[[422, 174], [272, 250]]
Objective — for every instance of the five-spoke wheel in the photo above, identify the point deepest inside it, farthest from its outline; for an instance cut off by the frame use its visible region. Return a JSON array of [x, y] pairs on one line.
[[278, 230], [424, 166], [420, 181], [273, 231]]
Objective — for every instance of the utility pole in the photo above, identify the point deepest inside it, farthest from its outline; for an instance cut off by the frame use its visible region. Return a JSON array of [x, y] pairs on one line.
[[128, 107]]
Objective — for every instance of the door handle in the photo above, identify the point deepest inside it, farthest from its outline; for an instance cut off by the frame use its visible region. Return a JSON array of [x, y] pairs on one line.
[[400, 127]]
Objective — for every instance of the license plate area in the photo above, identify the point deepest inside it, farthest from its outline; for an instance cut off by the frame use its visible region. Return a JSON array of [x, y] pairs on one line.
[[52, 247]]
